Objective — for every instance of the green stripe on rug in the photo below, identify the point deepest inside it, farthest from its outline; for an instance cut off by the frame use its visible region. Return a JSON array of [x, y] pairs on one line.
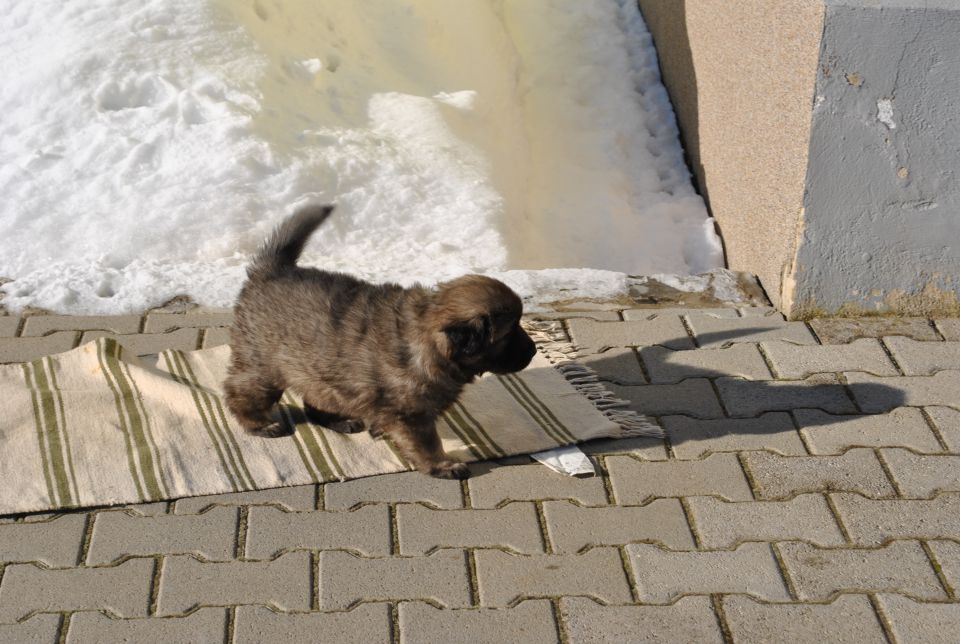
[[55, 388], [565, 433], [307, 446], [518, 395], [460, 433], [479, 428], [41, 442], [132, 465], [150, 445]]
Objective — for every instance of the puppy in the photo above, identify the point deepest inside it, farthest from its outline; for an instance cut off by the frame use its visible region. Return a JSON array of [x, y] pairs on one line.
[[378, 357]]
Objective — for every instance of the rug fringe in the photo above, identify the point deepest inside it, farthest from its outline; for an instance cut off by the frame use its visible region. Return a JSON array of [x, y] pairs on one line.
[[552, 341]]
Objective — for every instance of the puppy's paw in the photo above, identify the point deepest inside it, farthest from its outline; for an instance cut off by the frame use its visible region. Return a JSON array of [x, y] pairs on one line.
[[375, 432], [450, 470], [273, 430], [348, 426]]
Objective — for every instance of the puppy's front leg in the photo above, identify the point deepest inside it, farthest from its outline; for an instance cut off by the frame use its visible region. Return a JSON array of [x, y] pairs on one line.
[[418, 442]]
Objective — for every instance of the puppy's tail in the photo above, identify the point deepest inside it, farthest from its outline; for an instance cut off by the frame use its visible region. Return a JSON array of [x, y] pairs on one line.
[[283, 247]]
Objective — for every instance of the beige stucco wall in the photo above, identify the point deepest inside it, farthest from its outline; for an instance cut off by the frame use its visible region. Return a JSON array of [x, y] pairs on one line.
[[742, 76]]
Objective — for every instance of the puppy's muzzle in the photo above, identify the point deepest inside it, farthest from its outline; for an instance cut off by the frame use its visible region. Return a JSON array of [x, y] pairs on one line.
[[516, 355]]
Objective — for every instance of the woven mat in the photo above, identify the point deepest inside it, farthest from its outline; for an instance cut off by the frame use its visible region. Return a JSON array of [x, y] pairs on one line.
[[97, 426]]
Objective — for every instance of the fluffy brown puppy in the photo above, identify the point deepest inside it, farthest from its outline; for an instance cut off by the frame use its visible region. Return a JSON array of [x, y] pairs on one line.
[[375, 356]]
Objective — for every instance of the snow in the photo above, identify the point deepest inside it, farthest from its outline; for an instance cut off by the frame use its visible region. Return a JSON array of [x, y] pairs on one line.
[[148, 146]]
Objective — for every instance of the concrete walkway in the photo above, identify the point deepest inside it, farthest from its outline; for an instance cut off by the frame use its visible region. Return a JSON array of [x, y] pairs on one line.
[[809, 490]]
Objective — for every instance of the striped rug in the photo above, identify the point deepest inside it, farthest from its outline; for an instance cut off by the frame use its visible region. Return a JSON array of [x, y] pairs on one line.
[[96, 426]]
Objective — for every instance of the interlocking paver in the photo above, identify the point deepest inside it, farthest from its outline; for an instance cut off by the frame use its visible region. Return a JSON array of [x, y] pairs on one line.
[[947, 421], [652, 314], [514, 526], [205, 625], [143, 344], [299, 497], [858, 470], [875, 395], [26, 349], [186, 582], [528, 621], [440, 577], [667, 366], [921, 358], [572, 528], [691, 619], [531, 482], [55, 543], [793, 361], [8, 326], [502, 577], [39, 629], [720, 524], [211, 535], [365, 624], [922, 475], [270, 531], [831, 434], [900, 567], [37, 325], [843, 330], [123, 590], [146, 509], [752, 397], [693, 396], [870, 521], [406, 487], [949, 328], [600, 316], [160, 322], [760, 312], [849, 618], [713, 333], [914, 621], [634, 482], [215, 336], [663, 575], [645, 447], [592, 337], [618, 365], [947, 554], [692, 438]]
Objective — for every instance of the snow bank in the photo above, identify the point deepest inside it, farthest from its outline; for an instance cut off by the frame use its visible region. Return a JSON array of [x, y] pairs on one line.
[[147, 146]]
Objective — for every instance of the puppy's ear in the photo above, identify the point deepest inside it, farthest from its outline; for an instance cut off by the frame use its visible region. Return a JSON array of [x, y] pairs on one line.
[[469, 339]]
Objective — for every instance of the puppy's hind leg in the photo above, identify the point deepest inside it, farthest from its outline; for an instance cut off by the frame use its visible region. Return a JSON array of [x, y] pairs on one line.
[[418, 442], [332, 421], [250, 400]]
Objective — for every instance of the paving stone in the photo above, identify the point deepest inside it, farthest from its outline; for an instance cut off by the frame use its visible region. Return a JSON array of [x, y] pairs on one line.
[[949, 328], [921, 358], [295, 498], [116, 534], [27, 349], [143, 344], [37, 325], [405, 487], [849, 618], [503, 578], [441, 577], [723, 525], [947, 422], [164, 322], [271, 531], [645, 447], [873, 522], [186, 582], [572, 528], [39, 629], [752, 397], [713, 333], [793, 361], [875, 395], [694, 397], [8, 326], [652, 314], [591, 336], [365, 624], [528, 621], [215, 337], [900, 567], [55, 543], [913, 621], [691, 619], [663, 575], [947, 554], [921, 475], [154, 509], [760, 312], [123, 590], [618, 365], [514, 526], [205, 625], [667, 366], [634, 482], [692, 438], [532, 482], [600, 316], [843, 330], [829, 434], [777, 477]]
